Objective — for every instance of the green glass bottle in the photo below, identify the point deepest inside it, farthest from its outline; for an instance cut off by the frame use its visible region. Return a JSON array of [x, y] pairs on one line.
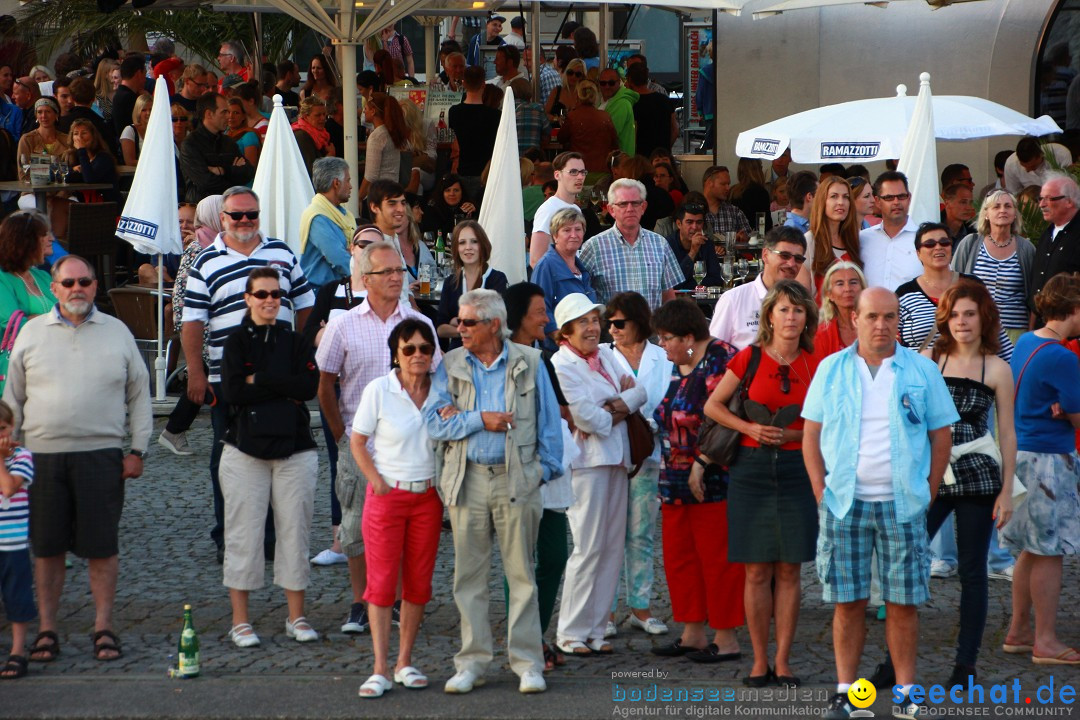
[[440, 250], [187, 654]]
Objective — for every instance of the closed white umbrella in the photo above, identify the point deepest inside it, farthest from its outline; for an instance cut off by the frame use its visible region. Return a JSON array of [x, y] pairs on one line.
[[281, 181], [502, 215], [150, 220], [874, 129], [918, 160]]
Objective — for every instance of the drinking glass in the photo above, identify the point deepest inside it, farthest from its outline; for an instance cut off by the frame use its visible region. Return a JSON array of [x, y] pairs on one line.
[[24, 162], [699, 271], [64, 170], [726, 271], [429, 240], [743, 269], [54, 170]]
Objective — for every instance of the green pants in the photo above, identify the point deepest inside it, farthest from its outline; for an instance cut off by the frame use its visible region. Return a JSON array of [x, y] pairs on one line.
[[551, 555]]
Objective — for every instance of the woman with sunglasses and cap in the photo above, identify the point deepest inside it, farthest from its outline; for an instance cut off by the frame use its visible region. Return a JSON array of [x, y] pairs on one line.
[[268, 374], [772, 514], [402, 510]]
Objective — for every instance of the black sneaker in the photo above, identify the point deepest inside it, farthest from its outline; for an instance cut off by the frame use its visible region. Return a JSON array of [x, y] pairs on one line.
[[960, 676], [358, 620], [884, 676], [838, 708], [395, 614]]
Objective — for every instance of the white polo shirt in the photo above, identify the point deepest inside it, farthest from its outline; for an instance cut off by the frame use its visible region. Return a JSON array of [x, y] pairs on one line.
[[402, 450], [889, 262], [873, 471], [738, 314]]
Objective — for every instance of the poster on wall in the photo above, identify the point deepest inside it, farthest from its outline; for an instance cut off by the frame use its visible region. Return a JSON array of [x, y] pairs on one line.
[[416, 93], [698, 37]]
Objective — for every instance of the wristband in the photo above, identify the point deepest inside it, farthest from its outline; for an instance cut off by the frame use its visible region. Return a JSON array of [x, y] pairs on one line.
[[701, 462]]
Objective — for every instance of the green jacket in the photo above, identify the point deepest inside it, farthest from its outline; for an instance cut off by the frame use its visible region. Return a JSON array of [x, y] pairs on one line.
[[621, 109]]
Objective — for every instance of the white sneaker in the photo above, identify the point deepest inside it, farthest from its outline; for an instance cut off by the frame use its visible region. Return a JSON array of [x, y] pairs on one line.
[[464, 682], [650, 625], [532, 681], [175, 443], [329, 557], [941, 569], [1006, 574], [301, 630], [610, 630]]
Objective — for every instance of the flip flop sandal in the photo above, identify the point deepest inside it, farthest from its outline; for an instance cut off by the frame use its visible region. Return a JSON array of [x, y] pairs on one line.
[[549, 658], [1017, 649], [573, 647], [375, 686], [1058, 659], [411, 678], [112, 643], [16, 665], [51, 650], [600, 647]]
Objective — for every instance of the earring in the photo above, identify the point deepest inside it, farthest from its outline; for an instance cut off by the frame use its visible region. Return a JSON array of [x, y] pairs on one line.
[[690, 352]]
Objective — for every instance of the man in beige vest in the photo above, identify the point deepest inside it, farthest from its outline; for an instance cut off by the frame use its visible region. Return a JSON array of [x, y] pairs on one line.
[[494, 413]]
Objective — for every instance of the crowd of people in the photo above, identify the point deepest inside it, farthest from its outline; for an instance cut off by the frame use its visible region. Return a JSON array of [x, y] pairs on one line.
[[879, 383]]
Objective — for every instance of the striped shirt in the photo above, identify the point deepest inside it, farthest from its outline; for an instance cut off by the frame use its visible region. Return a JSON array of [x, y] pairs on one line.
[[15, 510], [648, 267], [1005, 281], [215, 289], [917, 312]]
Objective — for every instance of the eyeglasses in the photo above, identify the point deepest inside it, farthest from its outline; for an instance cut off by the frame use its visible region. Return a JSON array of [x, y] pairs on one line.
[[263, 294], [665, 339], [935, 242], [84, 282], [785, 379], [787, 257], [470, 322], [424, 348], [575, 173], [608, 83], [20, 82], [241, 214], [1051, 198], [221, 54], [628, 203], [912, 416], [619, 324], [388, 271], [890, 198], [575, 73]]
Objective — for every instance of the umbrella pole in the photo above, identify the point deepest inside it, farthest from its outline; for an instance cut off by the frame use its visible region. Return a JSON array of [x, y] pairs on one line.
[[159, 361]]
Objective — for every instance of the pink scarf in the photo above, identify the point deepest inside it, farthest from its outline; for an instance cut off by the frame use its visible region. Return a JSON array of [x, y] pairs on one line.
[[592, 360], [321, 137]]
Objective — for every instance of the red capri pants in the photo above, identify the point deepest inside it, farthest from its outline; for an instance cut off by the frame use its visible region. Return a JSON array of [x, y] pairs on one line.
[[401, 531]]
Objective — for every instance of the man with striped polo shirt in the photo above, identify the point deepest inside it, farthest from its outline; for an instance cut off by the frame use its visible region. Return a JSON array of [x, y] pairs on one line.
[[215, 295]]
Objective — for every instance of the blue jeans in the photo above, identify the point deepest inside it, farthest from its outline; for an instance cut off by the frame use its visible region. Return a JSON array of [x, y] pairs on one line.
[[974, 520], [943, 548]]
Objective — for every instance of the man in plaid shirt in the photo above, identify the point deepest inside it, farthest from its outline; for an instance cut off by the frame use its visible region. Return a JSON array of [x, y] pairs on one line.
[[723, 216], [549, 76], [533, 125]]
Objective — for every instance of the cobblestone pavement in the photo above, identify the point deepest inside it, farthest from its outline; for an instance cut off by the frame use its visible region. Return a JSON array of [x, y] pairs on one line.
[[167, 559]]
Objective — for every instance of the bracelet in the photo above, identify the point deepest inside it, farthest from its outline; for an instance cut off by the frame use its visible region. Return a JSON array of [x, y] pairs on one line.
[[701, 462]]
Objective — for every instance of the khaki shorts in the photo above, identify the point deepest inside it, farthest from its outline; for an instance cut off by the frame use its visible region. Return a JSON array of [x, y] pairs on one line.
[[350, 488]]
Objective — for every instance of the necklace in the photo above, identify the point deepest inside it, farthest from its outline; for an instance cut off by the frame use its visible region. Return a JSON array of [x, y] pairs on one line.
[[926, 281], [31, 288], [1059, 337], [995, 243]]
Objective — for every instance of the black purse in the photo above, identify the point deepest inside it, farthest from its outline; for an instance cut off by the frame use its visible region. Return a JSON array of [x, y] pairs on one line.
[[719, 442]]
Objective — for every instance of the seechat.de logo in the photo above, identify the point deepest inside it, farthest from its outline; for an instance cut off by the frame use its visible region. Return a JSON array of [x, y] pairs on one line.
[[849, 150], [763, 146]]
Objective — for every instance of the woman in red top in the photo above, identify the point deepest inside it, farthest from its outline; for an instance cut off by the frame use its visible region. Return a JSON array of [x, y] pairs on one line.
[[840, 290], [772, 515]]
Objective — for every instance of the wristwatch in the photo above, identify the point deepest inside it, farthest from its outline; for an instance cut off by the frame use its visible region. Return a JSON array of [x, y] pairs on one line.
[[141, 454]]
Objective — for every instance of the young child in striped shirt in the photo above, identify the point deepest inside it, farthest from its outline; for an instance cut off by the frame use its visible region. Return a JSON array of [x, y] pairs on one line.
[[16, 577]]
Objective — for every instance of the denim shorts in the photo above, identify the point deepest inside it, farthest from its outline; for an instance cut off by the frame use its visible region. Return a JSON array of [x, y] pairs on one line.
[[845, 547], [17, 586]]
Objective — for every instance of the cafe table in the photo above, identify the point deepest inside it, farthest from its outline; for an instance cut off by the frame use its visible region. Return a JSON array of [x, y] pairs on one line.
[[42, 192]]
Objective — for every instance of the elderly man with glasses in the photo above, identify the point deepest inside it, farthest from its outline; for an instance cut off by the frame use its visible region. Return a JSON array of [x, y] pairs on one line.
[[1058, 248], [352, 352], [231, 59], [888, 249], [627, 257], [493, 409]]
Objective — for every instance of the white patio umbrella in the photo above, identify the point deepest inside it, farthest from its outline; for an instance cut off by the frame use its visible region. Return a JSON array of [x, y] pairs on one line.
[[150, 220], [785, 5], [874, 129], [282, 181], [918, 160], [502, 215]]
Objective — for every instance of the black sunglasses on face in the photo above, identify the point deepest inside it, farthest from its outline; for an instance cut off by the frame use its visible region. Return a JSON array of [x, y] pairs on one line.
[[934, 242], [786, 256], [240, 214], [425, 349], [263, 294], [469, 322], [619, 324], [575, 73], [83, 282]]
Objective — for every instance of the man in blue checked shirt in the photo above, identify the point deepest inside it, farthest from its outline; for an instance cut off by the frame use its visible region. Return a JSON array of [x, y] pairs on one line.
[[894, 401], [493, 410]]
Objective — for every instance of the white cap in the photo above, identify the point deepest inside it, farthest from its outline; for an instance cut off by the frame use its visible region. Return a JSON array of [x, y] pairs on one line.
[[573, 306]]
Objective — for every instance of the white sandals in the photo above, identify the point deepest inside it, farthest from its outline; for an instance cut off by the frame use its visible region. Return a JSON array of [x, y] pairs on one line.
[[375, 686], [411, 678]]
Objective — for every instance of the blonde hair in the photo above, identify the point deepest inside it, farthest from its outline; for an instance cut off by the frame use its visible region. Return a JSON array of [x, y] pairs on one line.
[[310, 103], [102, 83], [983, 223], [797, 295], [588, 92], [140, 104], [415, 132]]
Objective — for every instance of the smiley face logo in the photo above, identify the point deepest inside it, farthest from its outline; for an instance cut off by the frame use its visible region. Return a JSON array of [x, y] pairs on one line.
[[862, 693]]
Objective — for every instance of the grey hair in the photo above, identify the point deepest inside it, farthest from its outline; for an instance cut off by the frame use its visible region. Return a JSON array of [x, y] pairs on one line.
[[55, 271], [325, 171], [488, 305], [626, 184], [366, 264], [237, 50], [828, 307], [983, 222], [1069, 187], [237, 190]]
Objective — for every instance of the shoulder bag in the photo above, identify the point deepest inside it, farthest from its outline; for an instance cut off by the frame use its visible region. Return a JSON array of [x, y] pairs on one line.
[[14, 324], [719, 442]]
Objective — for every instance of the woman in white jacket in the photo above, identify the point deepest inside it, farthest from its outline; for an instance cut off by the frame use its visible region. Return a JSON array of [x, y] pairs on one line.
[[601, 395]]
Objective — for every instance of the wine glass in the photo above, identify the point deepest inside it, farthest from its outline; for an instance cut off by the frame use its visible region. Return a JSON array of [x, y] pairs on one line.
[[726, 270], [54, 169], [743, 269], [65, 169], [699, 271], [429, 239], [24, 162]]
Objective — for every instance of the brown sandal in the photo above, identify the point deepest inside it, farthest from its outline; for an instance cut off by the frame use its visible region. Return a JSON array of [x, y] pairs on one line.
[[50, 650], [112, 643]]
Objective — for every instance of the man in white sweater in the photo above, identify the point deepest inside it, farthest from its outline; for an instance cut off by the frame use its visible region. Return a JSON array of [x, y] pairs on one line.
[[75, 382]]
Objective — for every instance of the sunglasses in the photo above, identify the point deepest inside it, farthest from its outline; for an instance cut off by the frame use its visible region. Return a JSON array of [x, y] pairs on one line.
[[470, 322], [575, 73], [619, 324], [241, 214], [263, 294], [608, 83], [785, 379], [933, 243], [424, 348], [179, 119], [909, 409], [890, 198], [786, 256], [84, 282], [694, 208]]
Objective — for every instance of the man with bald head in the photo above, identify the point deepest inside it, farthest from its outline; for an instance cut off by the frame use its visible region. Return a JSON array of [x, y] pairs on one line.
[[1058, 248], [893, 403]]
